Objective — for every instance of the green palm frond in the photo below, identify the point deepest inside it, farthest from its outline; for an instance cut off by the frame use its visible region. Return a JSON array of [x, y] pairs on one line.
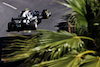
[[46, 45], [91, 61], [21, 49], [87, 12], [57, 44], [72, 60], [87, 17], [80, 9]]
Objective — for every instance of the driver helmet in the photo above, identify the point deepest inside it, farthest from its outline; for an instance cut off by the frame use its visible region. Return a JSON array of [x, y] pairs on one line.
[[26, 9]]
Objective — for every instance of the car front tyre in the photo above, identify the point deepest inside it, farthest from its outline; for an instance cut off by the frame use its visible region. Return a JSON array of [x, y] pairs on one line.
[[45, 14], [33, 25]]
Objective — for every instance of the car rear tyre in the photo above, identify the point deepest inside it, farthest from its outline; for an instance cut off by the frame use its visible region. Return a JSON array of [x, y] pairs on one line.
[[10, 26]]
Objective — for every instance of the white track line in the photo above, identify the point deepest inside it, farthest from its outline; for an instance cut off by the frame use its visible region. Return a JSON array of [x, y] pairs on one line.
[[9, 5]]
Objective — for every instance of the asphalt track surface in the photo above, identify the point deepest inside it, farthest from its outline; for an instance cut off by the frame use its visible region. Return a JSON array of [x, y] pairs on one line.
[[12, 8]]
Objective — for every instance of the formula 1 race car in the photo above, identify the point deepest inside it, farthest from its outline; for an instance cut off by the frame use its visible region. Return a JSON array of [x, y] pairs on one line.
[[22, 23]]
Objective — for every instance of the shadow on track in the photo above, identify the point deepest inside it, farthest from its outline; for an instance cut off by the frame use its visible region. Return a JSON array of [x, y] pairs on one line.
[[64, 25]]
